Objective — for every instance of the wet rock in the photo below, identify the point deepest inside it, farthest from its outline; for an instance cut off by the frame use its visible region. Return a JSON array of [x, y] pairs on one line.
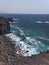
[[47, 51]]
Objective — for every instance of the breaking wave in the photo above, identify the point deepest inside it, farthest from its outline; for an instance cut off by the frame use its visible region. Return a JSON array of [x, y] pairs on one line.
[[42, 22], [29, 46], [39, 22], [43, 38]]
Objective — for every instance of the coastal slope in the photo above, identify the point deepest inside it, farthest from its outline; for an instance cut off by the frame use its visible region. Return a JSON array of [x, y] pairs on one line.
[[8, 55]]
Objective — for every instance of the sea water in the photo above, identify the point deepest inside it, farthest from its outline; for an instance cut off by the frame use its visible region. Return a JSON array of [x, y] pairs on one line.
[[30, 33]]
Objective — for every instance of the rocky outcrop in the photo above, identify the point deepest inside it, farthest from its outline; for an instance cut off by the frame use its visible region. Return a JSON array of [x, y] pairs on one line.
[[7, 51], [4, 25]]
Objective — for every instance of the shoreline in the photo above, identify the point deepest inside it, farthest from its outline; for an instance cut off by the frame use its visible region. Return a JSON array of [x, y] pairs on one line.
[[11, 58], [8, 50]]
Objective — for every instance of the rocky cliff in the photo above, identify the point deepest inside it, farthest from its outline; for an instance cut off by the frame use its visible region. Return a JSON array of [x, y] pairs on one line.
[[4, 25]]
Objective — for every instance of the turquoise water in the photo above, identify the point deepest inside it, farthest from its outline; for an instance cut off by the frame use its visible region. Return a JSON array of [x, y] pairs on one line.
[[31, 31], [34, 38]]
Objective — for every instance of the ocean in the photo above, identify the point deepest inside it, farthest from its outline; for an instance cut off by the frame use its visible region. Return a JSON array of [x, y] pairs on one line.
[[30, 32]]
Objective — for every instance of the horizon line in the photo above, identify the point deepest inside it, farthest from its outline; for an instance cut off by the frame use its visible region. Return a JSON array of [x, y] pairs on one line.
[[27, 13]]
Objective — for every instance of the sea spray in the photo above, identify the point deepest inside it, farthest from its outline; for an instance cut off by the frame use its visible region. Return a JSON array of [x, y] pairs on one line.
[[24, 47]]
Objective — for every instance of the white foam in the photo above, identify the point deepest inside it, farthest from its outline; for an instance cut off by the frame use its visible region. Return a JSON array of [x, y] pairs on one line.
[[32, 41], [46, 22], [23, 46], [39, 22], [42, 22], [15, 19], [31, 52], [17, 28], [43, 38]]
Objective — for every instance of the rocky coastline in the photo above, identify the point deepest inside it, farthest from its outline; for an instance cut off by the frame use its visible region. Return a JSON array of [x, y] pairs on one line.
[[8, 54]]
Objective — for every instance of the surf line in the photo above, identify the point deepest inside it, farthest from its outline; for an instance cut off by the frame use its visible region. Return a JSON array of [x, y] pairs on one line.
[[22, 34], [43, 38]]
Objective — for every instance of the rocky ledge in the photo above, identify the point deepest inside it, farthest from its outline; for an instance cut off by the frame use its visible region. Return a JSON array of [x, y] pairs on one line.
[[4, 25]]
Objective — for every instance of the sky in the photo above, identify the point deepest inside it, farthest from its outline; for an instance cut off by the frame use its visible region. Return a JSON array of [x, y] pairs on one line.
[[24, 6]]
